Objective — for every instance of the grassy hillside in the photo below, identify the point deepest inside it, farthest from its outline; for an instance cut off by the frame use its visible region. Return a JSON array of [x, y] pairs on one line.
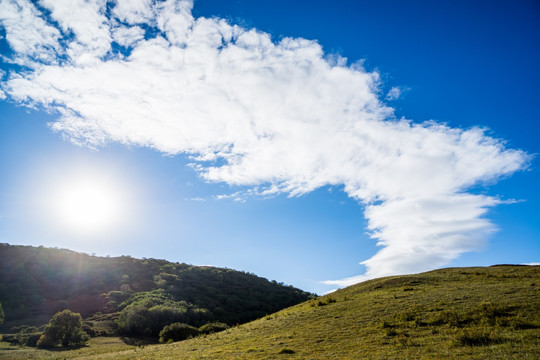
[[36, 282], [461, 313]]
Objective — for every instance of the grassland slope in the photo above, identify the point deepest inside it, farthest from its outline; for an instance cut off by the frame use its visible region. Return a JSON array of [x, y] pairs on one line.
[[455, 313]]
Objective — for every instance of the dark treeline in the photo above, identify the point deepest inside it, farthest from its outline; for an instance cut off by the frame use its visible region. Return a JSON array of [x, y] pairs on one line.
[[141, 295]]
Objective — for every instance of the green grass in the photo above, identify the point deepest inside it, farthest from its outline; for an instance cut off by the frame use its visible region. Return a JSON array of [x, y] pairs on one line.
[[461, 313], [95, 347]]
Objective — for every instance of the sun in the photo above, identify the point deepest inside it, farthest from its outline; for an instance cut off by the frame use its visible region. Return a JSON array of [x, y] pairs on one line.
[[87, 204]]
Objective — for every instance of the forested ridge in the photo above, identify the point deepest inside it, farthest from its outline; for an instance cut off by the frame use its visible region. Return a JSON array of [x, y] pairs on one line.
[[139, 295]]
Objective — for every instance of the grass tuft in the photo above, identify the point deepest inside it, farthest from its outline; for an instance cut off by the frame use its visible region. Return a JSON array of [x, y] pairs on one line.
[[478, 338]]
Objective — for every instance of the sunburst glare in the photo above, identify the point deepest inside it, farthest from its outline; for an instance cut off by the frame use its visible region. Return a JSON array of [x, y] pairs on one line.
[[87, 203], [88, 206]]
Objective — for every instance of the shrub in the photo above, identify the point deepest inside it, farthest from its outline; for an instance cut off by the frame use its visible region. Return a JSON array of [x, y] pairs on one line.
[[46, 341], [26, 335], [177, 332], [213, 327], [30, 339]]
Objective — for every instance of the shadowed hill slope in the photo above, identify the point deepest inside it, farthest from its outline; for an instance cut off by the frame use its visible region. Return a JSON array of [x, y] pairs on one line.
[[456, 313], [36, 282]]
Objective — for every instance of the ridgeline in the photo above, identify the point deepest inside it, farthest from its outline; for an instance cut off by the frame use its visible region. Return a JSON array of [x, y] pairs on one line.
[[36, 282]]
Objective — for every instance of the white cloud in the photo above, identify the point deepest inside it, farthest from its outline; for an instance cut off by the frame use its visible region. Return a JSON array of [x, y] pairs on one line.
[[27, 33], [394, 93], [86, 20], [415, 232], [127, 36], [133, 11], [174, 19], [282, 117]]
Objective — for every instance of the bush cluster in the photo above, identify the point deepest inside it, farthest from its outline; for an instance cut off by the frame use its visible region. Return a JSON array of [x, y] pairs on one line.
[[147, 313], [177, 332], [24, 335], [213, 327]]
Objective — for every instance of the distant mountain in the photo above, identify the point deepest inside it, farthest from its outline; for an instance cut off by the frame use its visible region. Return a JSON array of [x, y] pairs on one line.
[[36, 282], [457, 313]]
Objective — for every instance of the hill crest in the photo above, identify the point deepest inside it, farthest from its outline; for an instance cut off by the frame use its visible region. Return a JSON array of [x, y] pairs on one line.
[[36, 282], [454, 313]]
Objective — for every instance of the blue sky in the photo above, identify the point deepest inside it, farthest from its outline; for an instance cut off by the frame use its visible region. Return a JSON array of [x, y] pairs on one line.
[[409, 124]]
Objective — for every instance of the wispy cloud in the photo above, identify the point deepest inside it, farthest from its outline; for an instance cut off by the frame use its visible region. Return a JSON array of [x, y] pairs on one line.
[[394, 93], [278, 117]]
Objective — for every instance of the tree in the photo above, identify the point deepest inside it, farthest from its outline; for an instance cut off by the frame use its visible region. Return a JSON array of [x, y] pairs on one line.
[[65, 328]]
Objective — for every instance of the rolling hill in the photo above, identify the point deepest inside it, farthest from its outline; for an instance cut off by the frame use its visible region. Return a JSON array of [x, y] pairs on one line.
[[36, 282], [455, 313]]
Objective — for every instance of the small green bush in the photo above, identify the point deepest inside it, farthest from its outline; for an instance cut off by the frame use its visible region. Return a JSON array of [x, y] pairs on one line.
[[177, 332], [25, 339], [213, 327]]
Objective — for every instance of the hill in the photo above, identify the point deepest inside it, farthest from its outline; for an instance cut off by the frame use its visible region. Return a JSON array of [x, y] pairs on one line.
[[36, 282], [457, 313]]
